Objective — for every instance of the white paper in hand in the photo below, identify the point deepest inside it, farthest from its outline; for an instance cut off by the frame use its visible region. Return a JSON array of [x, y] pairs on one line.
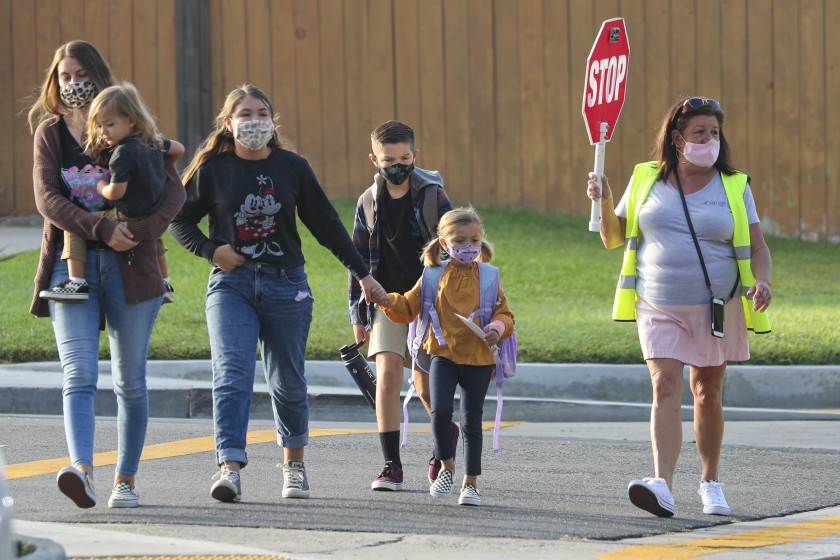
[[473, 327]]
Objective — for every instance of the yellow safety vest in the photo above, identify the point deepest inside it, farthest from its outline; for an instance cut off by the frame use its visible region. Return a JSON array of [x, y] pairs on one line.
[[644, 176]]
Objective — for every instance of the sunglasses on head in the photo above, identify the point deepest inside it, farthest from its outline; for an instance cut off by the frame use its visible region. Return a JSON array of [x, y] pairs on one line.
[[697, 102]]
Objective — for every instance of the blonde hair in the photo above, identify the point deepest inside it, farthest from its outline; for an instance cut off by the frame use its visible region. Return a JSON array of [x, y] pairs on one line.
[[48, 103], [123, 100], [220, 139], [446, 227]]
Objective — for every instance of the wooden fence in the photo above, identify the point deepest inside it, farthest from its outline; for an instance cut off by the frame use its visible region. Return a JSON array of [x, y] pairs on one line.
[[492, 87]]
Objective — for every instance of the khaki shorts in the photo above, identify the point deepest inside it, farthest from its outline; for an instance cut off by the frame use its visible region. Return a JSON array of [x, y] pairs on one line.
[[388, 336]]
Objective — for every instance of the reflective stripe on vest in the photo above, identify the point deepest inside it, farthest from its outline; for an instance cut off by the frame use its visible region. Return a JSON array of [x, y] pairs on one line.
[[644, 176]]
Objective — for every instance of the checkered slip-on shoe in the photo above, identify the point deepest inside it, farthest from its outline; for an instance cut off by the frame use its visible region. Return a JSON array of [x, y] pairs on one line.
[[124, 496], [68, 290], [469, 496], [442, 487]]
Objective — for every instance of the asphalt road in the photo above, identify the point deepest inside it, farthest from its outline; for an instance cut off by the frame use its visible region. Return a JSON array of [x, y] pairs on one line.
[[551, 481]]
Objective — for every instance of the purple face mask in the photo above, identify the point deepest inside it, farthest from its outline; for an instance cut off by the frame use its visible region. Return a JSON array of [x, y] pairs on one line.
[[702, 155], [465, 254]]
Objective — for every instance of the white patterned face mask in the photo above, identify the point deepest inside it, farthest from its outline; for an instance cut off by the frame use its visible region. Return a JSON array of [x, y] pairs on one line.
[[78, 95], [254, 135]]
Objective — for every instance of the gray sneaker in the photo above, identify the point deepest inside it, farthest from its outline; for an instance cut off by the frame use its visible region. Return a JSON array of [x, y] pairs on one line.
[[77, 486], [228, 486], [295, 483]]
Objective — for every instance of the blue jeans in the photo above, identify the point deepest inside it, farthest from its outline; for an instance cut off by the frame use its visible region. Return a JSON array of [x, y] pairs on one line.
[[266, 305], [444, 378], [76, 327]]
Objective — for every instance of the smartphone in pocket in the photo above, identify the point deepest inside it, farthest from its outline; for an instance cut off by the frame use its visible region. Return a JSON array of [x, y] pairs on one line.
[[717, 317]]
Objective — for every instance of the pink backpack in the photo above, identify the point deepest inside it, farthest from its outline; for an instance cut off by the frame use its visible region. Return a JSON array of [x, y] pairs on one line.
[[418, 331]]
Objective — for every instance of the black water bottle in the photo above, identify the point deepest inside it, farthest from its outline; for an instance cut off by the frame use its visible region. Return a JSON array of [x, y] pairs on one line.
[[360, 371]]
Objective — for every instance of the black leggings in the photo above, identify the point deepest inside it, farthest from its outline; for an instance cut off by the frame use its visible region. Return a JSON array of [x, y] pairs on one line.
[[444, 378]]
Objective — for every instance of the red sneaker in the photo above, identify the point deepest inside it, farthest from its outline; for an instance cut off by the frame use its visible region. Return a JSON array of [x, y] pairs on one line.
[[434, 464], [390, 479]]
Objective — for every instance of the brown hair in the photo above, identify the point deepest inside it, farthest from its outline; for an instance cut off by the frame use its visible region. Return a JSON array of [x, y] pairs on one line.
[[122, 100], [393, 132], [220, 139], [48, 103], [677, 118], [448, 222]]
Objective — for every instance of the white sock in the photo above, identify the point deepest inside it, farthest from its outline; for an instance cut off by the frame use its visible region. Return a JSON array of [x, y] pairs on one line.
[[166, 279], [77, 280]]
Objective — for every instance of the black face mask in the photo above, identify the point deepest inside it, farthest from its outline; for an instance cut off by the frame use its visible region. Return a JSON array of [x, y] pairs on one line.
[[397, 173]]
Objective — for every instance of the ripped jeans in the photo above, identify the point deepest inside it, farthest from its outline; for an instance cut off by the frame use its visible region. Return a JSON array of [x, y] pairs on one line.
[[260, 304]]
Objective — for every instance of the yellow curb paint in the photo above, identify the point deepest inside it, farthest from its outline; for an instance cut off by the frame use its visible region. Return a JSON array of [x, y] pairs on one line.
[[185, 447], [749, 540], [237, 557]]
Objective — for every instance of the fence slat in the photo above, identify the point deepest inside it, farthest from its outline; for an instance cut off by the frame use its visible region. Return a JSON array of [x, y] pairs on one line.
[[431, 128], [633, 140], [582, 31], [532, 100], [733, 93], [9, 187], [482, 157], [812, 191], [167, 72], [285, 68], [509, 135], [786, 116], [334, 109], [359, 122], [559, 109], [307, 53], [756, 101], [456, 71], [832, 130], [121, 39], [25, 71]]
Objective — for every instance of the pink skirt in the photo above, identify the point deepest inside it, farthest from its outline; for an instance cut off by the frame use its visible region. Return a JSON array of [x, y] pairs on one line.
[[684, 333]]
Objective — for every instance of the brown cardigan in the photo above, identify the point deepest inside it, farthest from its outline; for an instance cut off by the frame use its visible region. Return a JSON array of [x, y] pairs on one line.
[[142, 280]]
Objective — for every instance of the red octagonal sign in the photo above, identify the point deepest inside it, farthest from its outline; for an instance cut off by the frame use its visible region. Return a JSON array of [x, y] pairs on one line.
[[606, 79]]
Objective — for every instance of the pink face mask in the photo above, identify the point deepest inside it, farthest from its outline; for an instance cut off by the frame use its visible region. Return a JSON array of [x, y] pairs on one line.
[[702, 155], [465, 254]]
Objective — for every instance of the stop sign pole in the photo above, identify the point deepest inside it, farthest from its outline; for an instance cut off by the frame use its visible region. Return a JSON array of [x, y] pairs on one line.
[[603, 95]]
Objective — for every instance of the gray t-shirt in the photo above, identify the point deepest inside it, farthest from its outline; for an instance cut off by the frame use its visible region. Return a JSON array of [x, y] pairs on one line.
[[667, 266]]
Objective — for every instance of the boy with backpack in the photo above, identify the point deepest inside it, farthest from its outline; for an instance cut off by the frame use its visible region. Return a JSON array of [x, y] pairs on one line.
[[395, 217]]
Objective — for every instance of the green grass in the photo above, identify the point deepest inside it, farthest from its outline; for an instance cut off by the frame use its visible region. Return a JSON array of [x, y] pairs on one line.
[[559, 279]]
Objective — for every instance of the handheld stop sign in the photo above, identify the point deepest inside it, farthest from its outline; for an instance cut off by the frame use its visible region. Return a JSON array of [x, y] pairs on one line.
[[603, 95]]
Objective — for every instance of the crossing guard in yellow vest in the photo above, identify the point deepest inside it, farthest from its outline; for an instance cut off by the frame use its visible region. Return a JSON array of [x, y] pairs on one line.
[[690, 228]]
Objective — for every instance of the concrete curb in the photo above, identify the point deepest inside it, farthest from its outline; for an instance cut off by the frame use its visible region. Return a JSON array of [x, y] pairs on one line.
[[45, 549], [538, 393]]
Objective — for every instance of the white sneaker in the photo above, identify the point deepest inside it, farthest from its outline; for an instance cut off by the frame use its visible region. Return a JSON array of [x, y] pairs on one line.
[[77, 486], [652, 495], [124, 496], [713, 501]]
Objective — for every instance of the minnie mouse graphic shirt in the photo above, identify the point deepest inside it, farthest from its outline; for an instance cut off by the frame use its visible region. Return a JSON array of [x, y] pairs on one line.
[[252, 205]]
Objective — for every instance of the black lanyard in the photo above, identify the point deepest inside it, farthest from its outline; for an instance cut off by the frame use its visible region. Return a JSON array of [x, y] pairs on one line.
[[697, 244]]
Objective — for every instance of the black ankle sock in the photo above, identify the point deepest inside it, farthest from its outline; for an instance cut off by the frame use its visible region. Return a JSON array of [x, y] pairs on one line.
[[391, 446]]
